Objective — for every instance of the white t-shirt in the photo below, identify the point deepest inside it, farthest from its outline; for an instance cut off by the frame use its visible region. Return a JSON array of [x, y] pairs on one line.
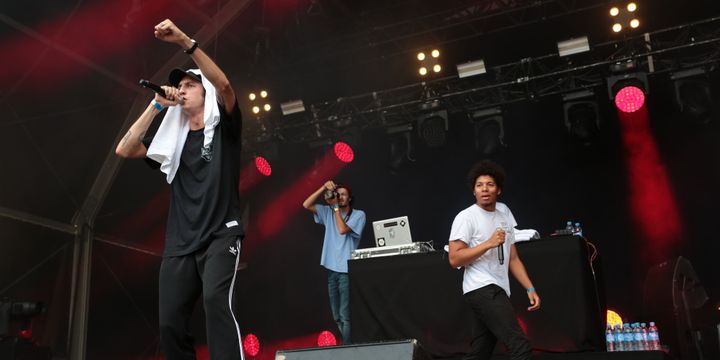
[[474, 226]]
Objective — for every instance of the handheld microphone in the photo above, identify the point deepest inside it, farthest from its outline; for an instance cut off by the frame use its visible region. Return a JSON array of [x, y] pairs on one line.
[[500, 249], [156, 88], [501, 254]]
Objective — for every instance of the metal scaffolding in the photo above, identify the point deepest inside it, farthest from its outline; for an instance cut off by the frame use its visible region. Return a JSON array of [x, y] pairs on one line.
[[660, 52]]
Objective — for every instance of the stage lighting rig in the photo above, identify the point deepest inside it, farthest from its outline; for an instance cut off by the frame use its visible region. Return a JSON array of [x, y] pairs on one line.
[[488, 131], [433, 127], [630, 60], [573, 46], [628, 86], [262, 165], [260, 103], [624, 17], [18, 310], [429, 63], [582, 115], [693, 96], [292, 107], [472, 68], [628, 91]]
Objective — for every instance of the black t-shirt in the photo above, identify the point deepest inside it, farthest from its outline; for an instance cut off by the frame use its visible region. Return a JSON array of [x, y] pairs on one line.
[[205, 202]]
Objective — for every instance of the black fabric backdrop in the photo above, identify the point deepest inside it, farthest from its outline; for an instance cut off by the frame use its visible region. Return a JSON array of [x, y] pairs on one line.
[[420, 296]]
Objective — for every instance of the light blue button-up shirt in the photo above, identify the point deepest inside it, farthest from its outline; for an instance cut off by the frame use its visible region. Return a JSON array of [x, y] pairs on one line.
[[337, 248]]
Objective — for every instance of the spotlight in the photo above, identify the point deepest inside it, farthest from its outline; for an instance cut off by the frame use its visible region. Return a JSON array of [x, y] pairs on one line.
[[628, 90], [251, 345], [263, 166], [292, 107], [489, 131], [693, 96], [573, 46], [402, 151], [582, 117], [263, 104], [428, 63], [624, 17], [629, 99], [20, 310], [326, 338], [613, 318], [432, 128], [402, 148], [26, 309], [471, 68], [344, 152]]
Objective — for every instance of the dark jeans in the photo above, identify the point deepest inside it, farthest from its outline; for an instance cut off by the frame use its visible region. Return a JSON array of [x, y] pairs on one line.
[[210, 271], [339, 290], [495, 320]]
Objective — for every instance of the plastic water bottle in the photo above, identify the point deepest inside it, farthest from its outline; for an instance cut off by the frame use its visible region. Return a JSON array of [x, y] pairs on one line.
[[577, 230], [609, 339], [619, 345], [627, 337], [653, 337], [569, 227], [637, 338], [631, 333], [644, 336]]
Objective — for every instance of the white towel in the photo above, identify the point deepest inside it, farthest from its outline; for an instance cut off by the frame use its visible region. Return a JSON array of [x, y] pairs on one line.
[[167, 145], [520, 235], [526, 234]]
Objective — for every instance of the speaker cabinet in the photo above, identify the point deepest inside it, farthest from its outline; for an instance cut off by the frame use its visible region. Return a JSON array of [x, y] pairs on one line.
[[391, 350], [676, 300]]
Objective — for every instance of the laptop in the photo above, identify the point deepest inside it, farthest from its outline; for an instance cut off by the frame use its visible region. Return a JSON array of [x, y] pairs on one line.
[[391, 232]]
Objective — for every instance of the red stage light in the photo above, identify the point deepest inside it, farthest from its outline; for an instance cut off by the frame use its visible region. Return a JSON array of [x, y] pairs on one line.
[[629, 99], [25, 334], [326, 338], [251, 345], [344, 152], [263, 166]]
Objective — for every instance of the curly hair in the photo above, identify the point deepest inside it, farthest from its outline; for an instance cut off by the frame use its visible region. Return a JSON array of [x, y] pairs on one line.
[[489, 168]]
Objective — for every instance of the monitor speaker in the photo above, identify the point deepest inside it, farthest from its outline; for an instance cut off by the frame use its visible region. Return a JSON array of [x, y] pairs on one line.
[[390, 350], [674, 298]]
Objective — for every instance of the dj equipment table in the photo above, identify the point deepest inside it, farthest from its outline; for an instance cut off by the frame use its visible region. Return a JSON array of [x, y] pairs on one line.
[[419, 296]]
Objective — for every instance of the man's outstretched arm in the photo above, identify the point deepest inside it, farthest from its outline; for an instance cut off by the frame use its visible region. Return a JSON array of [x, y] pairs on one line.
[[166, 30]]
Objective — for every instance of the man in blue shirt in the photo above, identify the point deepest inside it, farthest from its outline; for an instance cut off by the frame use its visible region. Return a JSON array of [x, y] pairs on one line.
[[343, 229]]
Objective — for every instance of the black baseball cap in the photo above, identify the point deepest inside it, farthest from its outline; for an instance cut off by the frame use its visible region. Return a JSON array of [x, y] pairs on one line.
[[178, 74]]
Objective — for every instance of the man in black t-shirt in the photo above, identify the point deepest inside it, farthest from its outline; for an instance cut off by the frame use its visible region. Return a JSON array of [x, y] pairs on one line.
[[198, 148]]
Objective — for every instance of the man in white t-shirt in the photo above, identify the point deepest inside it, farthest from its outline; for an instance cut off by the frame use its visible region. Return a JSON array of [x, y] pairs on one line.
[[480, 237]]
